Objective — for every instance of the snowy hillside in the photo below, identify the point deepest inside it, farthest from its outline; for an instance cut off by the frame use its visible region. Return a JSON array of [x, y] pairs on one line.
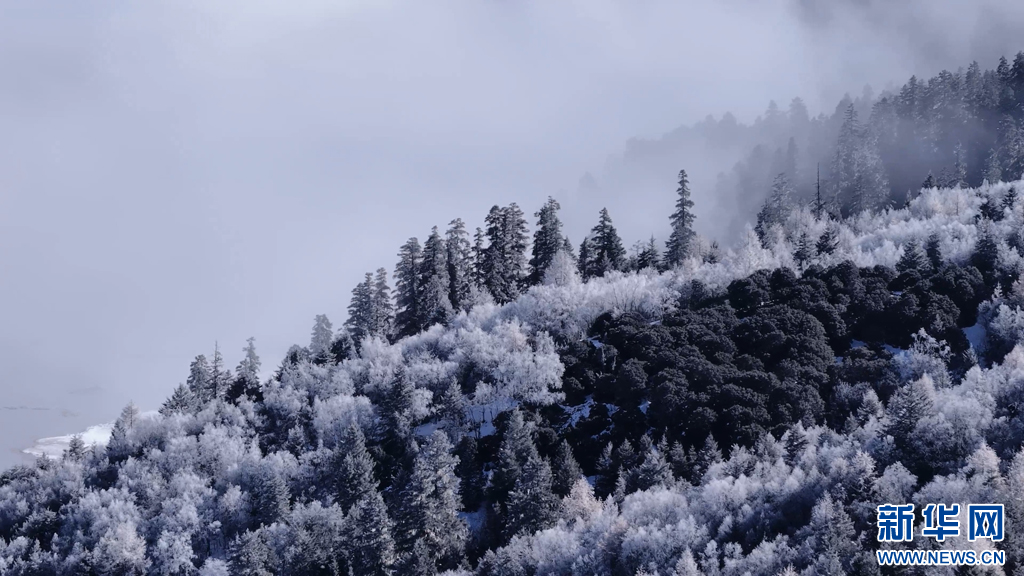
[[521, 406]]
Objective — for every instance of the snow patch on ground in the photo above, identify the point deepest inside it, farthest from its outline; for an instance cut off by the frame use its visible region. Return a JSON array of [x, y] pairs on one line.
[[893, 350], [475, 520], [424, 430], [577, 413], [976, 336]]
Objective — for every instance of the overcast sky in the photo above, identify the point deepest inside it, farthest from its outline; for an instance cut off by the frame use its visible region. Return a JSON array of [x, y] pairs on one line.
[[178, 173]]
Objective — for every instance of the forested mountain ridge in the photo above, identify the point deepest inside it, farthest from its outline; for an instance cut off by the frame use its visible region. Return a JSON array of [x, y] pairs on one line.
[[527, 407], [962, 125]]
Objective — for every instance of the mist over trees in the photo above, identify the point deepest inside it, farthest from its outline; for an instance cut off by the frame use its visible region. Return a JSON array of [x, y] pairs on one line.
[[514, 407]]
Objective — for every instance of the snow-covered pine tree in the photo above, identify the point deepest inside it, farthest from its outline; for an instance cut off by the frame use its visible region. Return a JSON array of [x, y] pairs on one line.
[[653, 471], [270, 497], [993, 170], [648, 256], [547, 240], [516, 448], [354, 478], [360, 309], [408, 288], [804, 251], [844, 172], [320, 340], [604, 251], [250, 555], [532, 504], [818, 205], [181, 401], [479, 257], [460, 263], [1010, 199], [929, 182], [76, 449], [369, 543], [913, 258], [470, 473], [435, 305], [1012, 149], [382, 310], [198, 381], [565, 469], [828, 241], [680, 242], [431, 505], [776, 208], [959, 166], [504, 261], [561, 271], [247, 374], [584, 258], [220, 377]]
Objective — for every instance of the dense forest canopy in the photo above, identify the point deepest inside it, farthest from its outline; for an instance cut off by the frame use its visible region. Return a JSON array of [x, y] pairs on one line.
[[518, 404]]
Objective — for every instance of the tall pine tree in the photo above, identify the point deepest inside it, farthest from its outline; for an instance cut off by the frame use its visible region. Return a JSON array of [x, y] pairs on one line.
[[547, 240], [504, 259], [460, 264], [431, 505], [408, 289], [435, 306], [320, 341], [604, 250], [680, 242], [360, 310], [382, 311]]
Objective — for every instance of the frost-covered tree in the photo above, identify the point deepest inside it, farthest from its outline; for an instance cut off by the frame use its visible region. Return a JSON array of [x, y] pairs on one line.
[[532, 504], [933, 250], [565, 469], [198, 381], [408, 289], [547, 240], [354, 478], [382, 310], [561, 271], [368, 537], [828, 241], [220, 377], [858, 176], [460, 263], [604, 251], [250, 555], [775, 208], [504, 265], [435, 305], [360, 309], [431, 505], [913, 258], [516, 448], [181, 401], [248, 370], [804, 251], [320, 340], [269, 496], [680, 242], [648, 256]]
